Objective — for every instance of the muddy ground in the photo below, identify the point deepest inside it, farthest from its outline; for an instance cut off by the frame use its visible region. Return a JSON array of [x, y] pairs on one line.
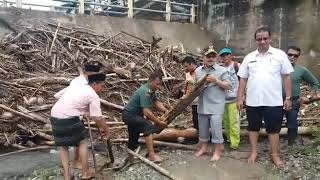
[[301, 162]]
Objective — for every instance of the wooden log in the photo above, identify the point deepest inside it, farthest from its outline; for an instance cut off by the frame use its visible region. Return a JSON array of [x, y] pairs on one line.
[[25, 150], [111, 105], [154, 165], [32, 114], [301, 131], [160, 143], [181, 105], [171, 134], [22, 114], [42, 79]]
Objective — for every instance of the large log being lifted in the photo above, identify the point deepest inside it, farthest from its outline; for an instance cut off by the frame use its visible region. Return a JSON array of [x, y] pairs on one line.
[[182, 103]]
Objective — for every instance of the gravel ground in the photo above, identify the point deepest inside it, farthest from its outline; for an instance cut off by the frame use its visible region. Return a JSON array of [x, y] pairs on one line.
[[301, 162]]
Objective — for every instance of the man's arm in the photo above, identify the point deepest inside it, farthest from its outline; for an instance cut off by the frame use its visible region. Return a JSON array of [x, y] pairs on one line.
[[223, 84], [149, 114], [160, 107], [101, 123], [60, 93], [288, 90], [240, 93], [287, 84], [312, 81]]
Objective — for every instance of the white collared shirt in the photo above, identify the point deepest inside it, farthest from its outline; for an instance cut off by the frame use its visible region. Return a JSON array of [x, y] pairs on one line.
[[263, 71]]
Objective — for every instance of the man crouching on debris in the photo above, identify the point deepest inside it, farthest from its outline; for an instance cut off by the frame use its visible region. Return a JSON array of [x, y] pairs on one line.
[[67, 128], [211, 103], [140, 105]]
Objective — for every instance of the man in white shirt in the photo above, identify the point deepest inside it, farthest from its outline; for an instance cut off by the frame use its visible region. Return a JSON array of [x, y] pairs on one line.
[[263, 71], [67, 128]]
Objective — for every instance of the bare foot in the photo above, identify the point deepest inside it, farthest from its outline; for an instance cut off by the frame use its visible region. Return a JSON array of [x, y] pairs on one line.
[[217, 153], [277, 160], [155, 158], [87, 175], [252, 158], [216, 157], [76, 164], [201, 152]]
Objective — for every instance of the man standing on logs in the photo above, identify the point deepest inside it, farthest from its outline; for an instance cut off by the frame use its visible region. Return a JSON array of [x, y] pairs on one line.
[[231, 119], [67, 128], [299, 74], [139, 118], [211, 103], [190, 66], [263, 71]]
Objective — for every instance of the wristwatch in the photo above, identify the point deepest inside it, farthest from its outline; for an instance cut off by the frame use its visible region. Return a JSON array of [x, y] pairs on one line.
[[289, 98]]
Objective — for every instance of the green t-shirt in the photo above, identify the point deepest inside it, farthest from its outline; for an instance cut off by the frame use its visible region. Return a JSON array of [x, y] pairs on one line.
[[143, 97], [302, 73]]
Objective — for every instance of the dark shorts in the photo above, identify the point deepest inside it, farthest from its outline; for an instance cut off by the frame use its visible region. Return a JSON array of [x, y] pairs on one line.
[[137, 124], [195, 116], [272, 117], [68, 132]]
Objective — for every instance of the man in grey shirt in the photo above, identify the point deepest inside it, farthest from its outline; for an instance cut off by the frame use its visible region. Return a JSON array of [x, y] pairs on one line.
[[211, 103]]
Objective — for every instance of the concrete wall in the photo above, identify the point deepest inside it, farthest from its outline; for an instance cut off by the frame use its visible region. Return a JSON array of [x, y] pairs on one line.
[[293, 22], [190, 35]]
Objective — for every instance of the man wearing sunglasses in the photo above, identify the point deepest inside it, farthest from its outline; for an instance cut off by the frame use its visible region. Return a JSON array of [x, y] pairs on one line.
[[300, 73], [211, 103], [231, 115], [262, 72]]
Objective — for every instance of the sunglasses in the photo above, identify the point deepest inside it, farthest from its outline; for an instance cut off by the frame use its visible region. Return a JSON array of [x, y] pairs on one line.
[[224, 54], [260, 39], [294, 55]]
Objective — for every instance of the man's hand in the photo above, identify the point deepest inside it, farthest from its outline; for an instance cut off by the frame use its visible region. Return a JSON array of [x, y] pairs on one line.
[[211, 79], [287, 105], [162, 124], [240, 104], [105, 135]]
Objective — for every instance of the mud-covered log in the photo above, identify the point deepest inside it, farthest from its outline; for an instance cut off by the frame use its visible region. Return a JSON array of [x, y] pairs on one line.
[[182, 103], [171, 134]]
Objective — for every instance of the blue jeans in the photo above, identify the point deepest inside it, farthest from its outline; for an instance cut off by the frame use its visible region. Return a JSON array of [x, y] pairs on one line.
[[292, 119]]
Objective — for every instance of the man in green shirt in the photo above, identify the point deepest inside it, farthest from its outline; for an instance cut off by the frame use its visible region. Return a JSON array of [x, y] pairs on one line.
[[299, 74], [139, 117]]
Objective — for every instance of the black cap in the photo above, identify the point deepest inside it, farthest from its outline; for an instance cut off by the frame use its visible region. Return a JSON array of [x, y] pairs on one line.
[[96, 78], [91, 68]]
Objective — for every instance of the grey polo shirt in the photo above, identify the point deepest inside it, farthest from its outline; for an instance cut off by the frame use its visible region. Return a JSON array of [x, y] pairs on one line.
[[212, 99]]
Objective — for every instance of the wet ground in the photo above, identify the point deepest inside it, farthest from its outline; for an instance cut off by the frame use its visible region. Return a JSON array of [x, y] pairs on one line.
[[182, 164]]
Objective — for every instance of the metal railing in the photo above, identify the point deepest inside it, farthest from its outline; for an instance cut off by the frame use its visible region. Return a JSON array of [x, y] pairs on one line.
[[130, 11]]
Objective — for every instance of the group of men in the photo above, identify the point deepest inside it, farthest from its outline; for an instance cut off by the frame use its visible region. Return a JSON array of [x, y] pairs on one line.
[[257, 83], [267, 83]]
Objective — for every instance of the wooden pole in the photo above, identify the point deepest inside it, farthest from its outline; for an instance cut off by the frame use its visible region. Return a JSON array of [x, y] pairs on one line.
[[193, 14], [19, 3], [168, 11], [130, 8], [81, 6], [92, 147], [152, 164]]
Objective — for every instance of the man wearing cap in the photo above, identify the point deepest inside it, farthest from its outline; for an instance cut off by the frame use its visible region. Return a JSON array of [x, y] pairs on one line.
[[263, 71], [231, 120], [67, 128], [211, 103], [139, 117], [90, 68], [299, 74]]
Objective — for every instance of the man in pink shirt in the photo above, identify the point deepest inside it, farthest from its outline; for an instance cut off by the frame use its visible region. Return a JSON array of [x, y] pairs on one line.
[[89, 69], [67, 128]]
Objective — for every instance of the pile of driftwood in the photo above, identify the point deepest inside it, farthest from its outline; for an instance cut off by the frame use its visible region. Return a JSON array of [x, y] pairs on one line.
[[40, 61]]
